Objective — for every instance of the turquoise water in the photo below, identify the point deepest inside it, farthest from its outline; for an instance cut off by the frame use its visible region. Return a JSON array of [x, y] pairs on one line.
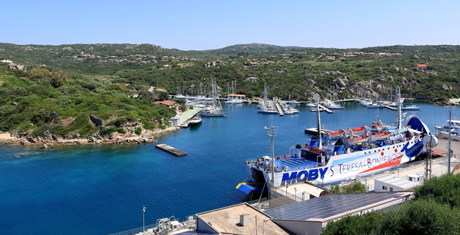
[[101, 189]]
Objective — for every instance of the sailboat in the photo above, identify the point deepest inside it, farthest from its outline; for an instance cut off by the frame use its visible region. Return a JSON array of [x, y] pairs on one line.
[[410, 107], [267, 106], [215, 109], [234, 98]]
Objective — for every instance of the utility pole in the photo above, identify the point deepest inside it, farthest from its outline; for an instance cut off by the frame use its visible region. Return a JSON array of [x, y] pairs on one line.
[[271, 131], [143, 219], [449, 146]]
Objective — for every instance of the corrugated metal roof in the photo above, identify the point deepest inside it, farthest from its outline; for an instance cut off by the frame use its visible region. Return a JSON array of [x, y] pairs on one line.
[[331, 205]]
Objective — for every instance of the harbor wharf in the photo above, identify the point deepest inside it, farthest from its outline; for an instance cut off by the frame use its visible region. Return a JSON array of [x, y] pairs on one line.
[[389, 107], [325, 109], [186, 116], [223, 219], [171, 150], [346, 100], [279, 109]]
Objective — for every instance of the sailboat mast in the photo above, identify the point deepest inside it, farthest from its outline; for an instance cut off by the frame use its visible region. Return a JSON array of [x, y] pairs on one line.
[[318, 118], [400, 101]]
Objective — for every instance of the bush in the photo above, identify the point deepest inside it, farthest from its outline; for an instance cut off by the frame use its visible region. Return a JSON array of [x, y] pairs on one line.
[[422, 217], [138, 131], [445, 189], [354, 188], [108, 131]]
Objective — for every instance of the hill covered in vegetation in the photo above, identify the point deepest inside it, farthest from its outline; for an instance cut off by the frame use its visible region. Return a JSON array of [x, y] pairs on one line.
[[57, 88]]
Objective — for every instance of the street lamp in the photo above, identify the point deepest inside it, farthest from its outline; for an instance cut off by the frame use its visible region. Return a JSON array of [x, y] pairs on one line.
[[271, 131], [143, 219]]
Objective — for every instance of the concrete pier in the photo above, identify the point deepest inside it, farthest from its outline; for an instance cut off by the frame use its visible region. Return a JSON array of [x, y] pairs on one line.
[[186, 116], [391, 108], [279, 109], [325, 109], [171, 150]]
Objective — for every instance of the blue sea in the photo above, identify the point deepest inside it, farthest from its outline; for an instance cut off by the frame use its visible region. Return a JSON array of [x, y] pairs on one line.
[[101, 189]]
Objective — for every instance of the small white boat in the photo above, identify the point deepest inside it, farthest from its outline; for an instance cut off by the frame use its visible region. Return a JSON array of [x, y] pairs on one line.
[[294, 102], [410, 107], [443, 131], [234, 101], [195, 120], [310, 104], [331, 105]]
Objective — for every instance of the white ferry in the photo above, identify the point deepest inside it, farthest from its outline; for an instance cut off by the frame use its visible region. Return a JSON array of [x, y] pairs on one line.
[[341, 155]]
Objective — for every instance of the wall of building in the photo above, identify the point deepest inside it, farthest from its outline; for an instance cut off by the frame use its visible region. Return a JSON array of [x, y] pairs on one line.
[[300, 227], [203, 227]]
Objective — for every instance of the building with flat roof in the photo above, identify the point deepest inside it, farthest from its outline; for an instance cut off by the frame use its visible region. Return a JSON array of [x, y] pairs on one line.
[[391, 183], [310, 216], [237, 219]]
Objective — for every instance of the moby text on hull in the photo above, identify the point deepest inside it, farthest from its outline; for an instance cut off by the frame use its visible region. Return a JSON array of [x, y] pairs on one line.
[[340, 155]]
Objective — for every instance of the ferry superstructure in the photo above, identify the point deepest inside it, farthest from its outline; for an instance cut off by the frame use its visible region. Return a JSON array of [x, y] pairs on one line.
[[341, 155]]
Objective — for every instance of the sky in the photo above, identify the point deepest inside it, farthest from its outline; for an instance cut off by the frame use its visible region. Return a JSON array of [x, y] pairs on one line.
[[205, 24]]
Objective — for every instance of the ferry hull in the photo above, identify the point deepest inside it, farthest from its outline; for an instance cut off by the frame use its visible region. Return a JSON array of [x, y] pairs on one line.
[[340, 168]]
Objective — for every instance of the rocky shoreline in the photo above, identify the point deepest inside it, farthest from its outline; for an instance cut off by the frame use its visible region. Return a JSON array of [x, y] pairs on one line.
[[117, 138]]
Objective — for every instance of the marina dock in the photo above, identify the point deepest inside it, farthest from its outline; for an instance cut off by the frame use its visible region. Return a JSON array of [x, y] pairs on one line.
[[279, 109], [171, 150], [186, 116], [389, 107], [325, 109]]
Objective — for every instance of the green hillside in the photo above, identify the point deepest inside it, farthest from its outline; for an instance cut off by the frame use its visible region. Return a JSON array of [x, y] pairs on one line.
[[61, 86]]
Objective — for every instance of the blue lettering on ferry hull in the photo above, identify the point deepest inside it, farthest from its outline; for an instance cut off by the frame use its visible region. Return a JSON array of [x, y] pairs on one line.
[[312, 174]]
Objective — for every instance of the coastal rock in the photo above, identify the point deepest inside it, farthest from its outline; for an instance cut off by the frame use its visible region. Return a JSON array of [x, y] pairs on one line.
[[341, 82], [47, 146], [30, 139], [446, 87], [15, 66]]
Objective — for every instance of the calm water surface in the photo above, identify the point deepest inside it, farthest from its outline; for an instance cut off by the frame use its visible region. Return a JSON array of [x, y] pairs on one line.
[[101, 189]]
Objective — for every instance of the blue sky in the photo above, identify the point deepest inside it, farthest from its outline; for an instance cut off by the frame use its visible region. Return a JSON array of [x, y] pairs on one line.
[[203, 24]]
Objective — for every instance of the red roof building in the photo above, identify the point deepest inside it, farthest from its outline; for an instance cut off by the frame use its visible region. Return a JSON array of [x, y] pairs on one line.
[[168, 103]]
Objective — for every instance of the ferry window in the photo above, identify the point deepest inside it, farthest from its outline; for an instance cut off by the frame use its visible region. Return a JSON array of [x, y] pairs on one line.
[[384, 187], [391, 189]]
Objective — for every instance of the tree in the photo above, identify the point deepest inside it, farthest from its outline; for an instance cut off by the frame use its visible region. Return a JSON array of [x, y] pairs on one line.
[[422, 217], [354, 188], [117, 86], [163, 96], [445, 189]]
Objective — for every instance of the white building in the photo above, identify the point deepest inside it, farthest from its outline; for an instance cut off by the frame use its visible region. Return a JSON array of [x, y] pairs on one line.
[[391, 183]]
